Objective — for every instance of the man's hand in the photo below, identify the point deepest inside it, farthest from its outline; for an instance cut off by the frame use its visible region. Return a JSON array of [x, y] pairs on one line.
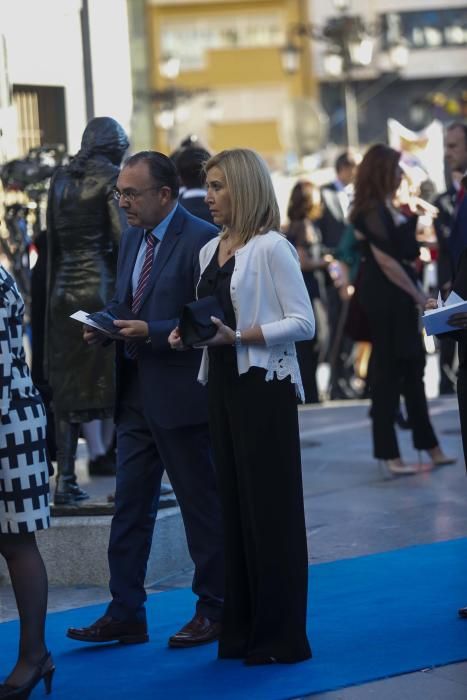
[[431, 304], [458, 320], [224, 335], [132, 330], [91, 336], [175, 340]]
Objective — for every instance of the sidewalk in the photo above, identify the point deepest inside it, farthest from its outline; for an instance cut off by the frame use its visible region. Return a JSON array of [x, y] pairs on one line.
[[353, 510]]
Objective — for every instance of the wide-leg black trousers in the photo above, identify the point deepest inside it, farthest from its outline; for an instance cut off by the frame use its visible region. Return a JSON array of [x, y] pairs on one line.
[[255, 439], [393, 375]]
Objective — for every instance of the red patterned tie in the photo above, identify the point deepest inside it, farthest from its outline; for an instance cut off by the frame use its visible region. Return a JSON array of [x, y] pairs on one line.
[[132, 347]]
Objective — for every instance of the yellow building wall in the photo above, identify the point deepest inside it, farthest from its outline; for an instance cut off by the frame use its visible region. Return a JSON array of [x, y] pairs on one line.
[[233, 68]]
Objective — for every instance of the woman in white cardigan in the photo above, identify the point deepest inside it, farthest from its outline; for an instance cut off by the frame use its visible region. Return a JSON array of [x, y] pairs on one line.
[[254, 381]]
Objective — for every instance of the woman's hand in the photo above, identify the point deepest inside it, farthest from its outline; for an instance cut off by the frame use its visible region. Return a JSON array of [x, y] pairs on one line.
[[224, 335], [431, 304], [420, 207], [175, 340]]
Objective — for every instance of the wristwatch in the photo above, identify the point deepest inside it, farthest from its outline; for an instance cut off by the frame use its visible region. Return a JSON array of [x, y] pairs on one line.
[[238, 339]]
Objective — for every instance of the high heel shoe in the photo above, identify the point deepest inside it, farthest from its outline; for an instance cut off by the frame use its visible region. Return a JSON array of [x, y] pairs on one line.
[[396, 467], [439, 459], [44, 671]]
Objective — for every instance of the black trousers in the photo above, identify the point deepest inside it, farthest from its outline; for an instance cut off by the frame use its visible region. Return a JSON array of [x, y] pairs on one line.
[[255, 438], [391, 377], [340, 353], [462, 399], [308, 356]]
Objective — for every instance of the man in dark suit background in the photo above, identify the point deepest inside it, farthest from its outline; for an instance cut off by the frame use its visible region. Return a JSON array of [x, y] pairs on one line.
[[189, 164], [161, 410], [446, 204], [449, 226], [336, 198]]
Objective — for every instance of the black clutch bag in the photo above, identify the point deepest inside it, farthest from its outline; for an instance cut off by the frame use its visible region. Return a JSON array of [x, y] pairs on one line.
[[195, 323]]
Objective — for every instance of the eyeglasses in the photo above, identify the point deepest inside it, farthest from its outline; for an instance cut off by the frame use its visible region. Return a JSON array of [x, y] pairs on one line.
[[131, 195]]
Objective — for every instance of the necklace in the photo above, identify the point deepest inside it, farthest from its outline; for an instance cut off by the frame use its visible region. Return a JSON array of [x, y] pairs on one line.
[[233, 247]]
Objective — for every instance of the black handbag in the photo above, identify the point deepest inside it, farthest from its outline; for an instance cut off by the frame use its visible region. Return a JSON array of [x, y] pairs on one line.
[[195, 323]]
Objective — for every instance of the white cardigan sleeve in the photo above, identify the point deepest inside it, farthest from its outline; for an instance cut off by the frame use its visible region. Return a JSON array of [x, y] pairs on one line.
[[298, 322]]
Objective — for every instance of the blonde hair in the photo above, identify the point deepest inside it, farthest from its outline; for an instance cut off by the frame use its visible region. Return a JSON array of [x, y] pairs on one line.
[[253, 200]]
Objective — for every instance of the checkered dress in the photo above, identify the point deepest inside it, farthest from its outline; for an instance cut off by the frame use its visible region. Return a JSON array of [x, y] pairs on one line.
[[24, 468]]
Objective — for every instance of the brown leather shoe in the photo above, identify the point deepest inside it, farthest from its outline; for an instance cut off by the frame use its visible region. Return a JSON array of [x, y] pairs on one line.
[[200, 630], [462, 612], [106, 629]]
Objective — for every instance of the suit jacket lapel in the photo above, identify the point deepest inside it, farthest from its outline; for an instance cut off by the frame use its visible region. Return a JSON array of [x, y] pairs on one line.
[[166, 248]]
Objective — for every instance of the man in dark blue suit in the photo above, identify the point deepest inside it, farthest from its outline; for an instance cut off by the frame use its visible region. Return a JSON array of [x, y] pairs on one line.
[[161, 410]]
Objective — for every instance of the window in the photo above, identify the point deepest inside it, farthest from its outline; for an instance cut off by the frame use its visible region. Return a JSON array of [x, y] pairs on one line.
[[427, 29], [190, 38]]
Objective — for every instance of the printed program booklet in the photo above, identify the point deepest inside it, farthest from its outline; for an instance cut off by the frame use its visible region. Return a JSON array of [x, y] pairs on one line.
[[436, 320], [103, 321]]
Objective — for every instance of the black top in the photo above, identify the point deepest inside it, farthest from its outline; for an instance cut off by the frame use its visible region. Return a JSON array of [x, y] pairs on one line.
[[215, 281], [384, 302]]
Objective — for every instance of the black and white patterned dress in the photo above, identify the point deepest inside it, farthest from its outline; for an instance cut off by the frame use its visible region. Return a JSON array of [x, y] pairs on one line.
[[24, 465]]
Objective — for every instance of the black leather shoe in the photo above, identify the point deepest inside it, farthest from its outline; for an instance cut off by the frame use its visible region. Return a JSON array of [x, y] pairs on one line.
[[69, 494], [200, 630], [462, 612], [106, 629]]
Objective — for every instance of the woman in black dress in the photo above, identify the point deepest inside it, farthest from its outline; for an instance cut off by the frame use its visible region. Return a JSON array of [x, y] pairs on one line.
[[392, 300]]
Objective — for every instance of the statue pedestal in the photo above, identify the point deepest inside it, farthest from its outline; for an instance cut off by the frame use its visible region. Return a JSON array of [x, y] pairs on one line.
[[74, 549]]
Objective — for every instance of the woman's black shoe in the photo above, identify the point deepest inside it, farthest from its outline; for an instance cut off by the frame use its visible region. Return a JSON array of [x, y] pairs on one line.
[[44, 671]]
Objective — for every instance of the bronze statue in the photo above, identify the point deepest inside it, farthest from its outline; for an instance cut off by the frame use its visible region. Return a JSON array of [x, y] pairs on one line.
[[83, 232]]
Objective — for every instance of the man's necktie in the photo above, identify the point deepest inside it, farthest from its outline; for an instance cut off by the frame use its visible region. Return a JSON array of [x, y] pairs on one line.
[[132, 346]]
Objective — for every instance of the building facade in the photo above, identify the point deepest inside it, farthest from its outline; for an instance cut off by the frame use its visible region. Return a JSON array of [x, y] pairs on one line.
[[433, 84], [228, 85]]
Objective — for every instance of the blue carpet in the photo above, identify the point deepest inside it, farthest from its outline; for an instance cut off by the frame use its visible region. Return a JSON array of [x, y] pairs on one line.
[[370, 617]]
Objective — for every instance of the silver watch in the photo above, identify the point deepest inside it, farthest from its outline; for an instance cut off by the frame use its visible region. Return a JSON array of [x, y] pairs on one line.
[[238, 339]]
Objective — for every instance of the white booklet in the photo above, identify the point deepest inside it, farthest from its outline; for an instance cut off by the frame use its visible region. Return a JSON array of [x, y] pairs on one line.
[[436, 320], [83, 317]]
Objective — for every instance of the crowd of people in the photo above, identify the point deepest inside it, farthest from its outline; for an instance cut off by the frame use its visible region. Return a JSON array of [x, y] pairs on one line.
[[214, 303]]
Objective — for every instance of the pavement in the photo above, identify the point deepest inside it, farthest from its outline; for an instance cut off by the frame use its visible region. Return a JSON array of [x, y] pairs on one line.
[[352, 509]]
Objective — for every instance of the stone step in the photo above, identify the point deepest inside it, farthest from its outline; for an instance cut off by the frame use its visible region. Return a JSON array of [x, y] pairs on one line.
[[74, 549]]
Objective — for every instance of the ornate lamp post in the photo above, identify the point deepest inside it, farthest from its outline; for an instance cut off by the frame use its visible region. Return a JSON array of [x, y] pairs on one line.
[[350, 43]]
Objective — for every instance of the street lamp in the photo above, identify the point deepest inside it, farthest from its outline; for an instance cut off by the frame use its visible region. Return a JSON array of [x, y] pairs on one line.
[[350, 44]]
